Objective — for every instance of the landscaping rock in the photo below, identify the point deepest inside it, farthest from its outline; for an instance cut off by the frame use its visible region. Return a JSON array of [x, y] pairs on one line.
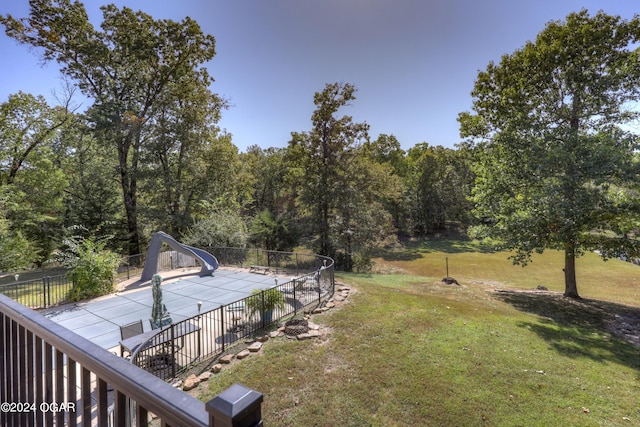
[[227, 358], [216, 368], [191, 382], [275, 334], [255, 347], [204, 376], [243, 354], [304, 336]]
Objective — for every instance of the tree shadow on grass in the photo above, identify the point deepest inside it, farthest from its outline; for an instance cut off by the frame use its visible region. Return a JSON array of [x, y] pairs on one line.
[[406, 253], [415, 249], [598, 330], [459, 245]]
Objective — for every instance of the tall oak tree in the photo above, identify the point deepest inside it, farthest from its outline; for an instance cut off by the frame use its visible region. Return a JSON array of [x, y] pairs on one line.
[[126, 68], [554, 156]]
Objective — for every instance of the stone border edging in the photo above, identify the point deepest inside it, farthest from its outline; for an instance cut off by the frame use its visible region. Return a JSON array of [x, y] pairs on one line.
[[255, 346]]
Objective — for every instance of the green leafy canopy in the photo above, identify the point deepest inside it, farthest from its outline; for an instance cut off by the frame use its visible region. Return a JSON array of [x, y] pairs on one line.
[[552, 152]]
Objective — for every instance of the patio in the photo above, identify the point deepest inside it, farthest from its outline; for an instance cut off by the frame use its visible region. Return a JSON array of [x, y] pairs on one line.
[[99, 320]]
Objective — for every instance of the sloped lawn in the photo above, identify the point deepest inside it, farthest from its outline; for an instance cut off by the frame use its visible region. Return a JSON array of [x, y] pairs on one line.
[[407, 350]]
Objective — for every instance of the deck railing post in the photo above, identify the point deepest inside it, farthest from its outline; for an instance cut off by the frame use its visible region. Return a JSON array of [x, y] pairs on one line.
[[237, 406]]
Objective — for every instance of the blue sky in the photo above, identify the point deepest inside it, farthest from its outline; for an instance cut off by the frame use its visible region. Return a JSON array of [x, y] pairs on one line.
[[413, 62]]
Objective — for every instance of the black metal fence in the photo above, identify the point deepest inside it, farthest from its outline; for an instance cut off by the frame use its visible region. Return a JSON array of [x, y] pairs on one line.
[[38, 293], [131, 267], [294, 263], [49, 291], [209, 334]]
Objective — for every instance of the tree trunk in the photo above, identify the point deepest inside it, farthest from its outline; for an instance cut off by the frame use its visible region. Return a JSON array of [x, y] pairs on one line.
[[324, 228], [132, 224], [129, 183], [570, 284]]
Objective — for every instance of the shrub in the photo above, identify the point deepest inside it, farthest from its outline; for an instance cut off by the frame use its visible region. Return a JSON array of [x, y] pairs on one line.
[[16, 252], [92, 267], [363, 262]]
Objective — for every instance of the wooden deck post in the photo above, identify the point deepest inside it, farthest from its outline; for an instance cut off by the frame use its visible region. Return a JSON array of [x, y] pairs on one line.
[[237, 406]]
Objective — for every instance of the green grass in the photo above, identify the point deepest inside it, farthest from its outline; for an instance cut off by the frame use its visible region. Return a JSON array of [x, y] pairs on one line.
[[29, 289], [407, 350], [35, 274], [470, 262]]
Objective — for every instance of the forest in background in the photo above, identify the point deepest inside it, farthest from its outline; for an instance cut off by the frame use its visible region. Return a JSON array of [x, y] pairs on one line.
[[547, 160], [341, 194]]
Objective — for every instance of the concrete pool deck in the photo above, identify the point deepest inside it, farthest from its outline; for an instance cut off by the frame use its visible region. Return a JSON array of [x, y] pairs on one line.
[[99, 320]]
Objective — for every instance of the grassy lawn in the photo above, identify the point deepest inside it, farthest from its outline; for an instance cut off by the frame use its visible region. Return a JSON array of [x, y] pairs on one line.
[[30, 289], [35, 274], [407, 350]]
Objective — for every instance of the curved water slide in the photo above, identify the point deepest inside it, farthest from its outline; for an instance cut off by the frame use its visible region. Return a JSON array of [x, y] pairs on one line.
[[209, 262]]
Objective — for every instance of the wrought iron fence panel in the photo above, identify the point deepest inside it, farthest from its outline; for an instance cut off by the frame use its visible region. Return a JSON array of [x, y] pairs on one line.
[[130, 267], [49, 291], [290, 262], [39, 293], [229, 256], [207, 335]]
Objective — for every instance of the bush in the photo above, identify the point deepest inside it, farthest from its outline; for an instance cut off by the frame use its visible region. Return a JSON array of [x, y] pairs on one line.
[[92, 267], [363, 262]]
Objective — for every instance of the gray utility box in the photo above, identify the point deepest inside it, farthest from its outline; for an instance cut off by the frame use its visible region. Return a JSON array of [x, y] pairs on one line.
[[237, 406]]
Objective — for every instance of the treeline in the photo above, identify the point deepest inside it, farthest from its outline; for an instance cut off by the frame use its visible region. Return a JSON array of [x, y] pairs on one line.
[[549, 160], [333, 188], [147, 154]]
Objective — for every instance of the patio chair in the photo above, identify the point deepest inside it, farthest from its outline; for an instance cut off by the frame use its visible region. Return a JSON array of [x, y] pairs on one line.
[[130, 330]]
